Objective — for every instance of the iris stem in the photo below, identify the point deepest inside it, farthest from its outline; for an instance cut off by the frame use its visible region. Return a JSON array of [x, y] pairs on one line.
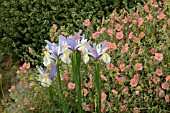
[[97, 78], [76, 73], [60, 88], [52, 99]]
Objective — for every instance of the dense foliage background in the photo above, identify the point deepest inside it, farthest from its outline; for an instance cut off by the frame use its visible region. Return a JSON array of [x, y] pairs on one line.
[[25, 23]]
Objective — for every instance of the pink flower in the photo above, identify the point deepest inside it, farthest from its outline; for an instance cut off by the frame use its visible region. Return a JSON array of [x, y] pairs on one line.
[[137, 92], [140, 21], [142, 34], [65, 78], [138, 66], [85, 91], [125, 48], [32, 108], [71, 85], [161, 16], [85, 107], [168, 78], [113, 46], [168, 21], [123, 108], [153, 51], [130, 35], [119, 35], [125, 20], [164, 27], [114, 92], [103, 78], [156, 80], [149, 17], [86, 22], [158, 56], [121, 80], [89, 85], [165, 86], [125, 90], [161, 93], [146, 9], [133, 82], [103, 97], [116, 70], [118, 27], [136, 77], [110, 32], [95, 35], [159, 72], [109, 66], [102, 30], [26, 65], [54, 26], [136, 110], [167, 98], [31, 84], [102, 108]]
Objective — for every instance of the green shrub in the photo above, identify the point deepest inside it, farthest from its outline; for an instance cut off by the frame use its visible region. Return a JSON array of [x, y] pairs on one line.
[[25, 23]]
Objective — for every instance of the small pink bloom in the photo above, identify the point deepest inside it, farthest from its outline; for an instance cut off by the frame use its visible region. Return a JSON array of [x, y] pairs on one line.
[[137, 92], [89, 85], [113, 46], [65, 78], [114, 92], [66, 72], [132, 56], [159, 72], [71, 85], [138, 66], [125, 48], [86, 22], [102, 30], [165, 86], [136, 110], [168, 21], [119, 35], [168, 78], [122, 67], [133, 82], [167, 98], [130, 35], [125, 20], [95, 35], [26, 65], [85, 91], [103, 78], [149, 17], [140, 21], [118, 27], [103, 20], [32, 108], [21, 68], [161, 93], [125, 90], [156, 80], [136, 77], [109, 66], [153, 51], [31, 84], [123, 108], [102, 108], [161, 16], [142, 34], [164, 27], [117, 18], [116, 70], [121, 80], [110, 32], [85, 107], [158, 56], [54, 26], [146, 9], [103, 97]]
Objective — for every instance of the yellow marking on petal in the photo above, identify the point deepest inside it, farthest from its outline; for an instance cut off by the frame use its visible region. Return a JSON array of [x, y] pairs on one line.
[[66, 54]]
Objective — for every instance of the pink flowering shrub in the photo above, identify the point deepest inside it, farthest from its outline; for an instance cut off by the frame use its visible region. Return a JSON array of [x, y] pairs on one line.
[[138, 77]]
